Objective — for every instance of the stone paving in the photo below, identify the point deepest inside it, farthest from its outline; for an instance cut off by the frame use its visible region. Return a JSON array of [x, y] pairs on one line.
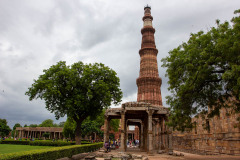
[[137, 155]]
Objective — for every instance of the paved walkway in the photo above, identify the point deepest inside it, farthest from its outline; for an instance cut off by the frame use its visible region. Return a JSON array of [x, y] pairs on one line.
[[187, 156]]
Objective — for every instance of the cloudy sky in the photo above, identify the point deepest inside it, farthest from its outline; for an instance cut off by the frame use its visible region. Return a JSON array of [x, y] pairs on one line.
[[35, 34]]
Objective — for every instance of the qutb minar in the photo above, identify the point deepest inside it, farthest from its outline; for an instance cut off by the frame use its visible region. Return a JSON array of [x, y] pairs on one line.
[[149, 82]]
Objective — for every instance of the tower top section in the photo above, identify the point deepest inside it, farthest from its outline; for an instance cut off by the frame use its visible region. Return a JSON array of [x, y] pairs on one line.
[[147, 18], [147, 6]]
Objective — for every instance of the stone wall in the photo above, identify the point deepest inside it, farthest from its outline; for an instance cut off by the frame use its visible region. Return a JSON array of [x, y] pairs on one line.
[[218, 135]]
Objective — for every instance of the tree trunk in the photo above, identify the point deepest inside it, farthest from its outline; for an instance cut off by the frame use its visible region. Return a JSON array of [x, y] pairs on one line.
[[78, 134]]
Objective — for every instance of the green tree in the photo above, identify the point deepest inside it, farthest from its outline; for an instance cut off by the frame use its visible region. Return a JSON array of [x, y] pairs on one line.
[[77, 91], [204, 72], [46, 135], [89, 126], [61, 124], [69, 128], [48, 123], [16, 125], [33, 125], [114, 124], [111, 136], [14, 132], [4, 128]]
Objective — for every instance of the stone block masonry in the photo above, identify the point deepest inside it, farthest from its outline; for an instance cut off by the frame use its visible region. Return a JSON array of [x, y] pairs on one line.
[[217, 135]]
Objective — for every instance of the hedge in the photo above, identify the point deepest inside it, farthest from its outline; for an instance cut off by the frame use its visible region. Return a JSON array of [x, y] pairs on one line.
[[51, 153], [49, 143], [41, 143], [15, 142]]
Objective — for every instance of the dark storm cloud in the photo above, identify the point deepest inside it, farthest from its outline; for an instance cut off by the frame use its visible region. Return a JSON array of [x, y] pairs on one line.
[[35, 35]]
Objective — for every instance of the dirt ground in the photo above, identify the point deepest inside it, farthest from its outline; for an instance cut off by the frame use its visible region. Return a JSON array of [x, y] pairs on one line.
[[187, 156]]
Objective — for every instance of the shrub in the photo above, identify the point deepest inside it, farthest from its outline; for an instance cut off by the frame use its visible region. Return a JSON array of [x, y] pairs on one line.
[[41, 142], [15, 142], [49, 143], [52, 153]]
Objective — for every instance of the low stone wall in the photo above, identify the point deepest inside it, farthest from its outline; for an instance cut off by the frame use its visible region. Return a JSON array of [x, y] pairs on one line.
[[218, 143]]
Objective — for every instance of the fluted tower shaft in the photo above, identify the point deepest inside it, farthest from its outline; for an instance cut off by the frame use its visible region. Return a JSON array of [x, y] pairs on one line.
[[149, 82]]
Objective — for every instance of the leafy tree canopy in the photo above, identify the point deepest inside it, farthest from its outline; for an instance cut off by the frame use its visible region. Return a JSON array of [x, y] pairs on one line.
[[4, 128], [69, 128], [48, 123], [114, 124], [33, 125], [205, 72], [89, 126], [77, 91], [61, 124], [14, 132], [16, 125]]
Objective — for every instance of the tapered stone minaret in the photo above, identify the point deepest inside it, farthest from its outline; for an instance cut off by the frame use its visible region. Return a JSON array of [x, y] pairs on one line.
[[149, 82]]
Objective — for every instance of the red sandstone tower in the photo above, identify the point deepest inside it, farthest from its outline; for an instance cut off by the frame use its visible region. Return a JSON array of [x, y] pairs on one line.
[[149, 82]]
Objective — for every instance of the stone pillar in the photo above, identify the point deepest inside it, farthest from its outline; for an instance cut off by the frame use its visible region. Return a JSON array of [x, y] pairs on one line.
[[162, 134], [154, 135], [145, 134], [150, 132], [126, 134], [157, 134], [141, 137], [123, 131], [170, 143], [106, 129], [166, 135]]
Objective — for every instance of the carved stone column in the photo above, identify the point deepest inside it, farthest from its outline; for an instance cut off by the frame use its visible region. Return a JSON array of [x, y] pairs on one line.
[[106, 129], [142, 139], [156, 134], [150, 132], [123, 124], [153, 131], [162, 146], [170, 144], [125, 134], [145, 134], [166, 136]]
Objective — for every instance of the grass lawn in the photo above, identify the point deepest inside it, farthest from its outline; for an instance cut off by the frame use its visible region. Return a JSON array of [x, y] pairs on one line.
[[11, 148]]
